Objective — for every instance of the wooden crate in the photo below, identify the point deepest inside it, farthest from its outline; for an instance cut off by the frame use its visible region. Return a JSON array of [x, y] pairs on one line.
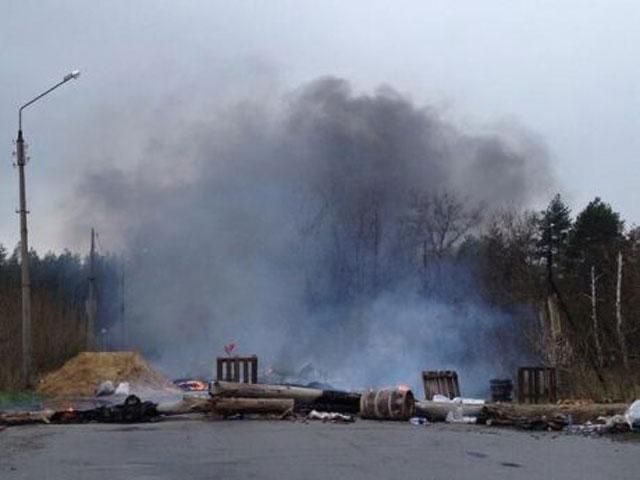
[[237, 369], [441, 382], [537, 385]]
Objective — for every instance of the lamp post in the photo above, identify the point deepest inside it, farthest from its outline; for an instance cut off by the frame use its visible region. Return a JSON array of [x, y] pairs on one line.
[[24, 246]]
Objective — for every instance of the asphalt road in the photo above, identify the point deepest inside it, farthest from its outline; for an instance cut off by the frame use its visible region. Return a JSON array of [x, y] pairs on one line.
[[203, 449]]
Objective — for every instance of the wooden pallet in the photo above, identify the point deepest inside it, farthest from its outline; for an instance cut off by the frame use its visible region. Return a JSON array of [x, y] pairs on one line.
[[237, 369], [537, 385], [442, 382]]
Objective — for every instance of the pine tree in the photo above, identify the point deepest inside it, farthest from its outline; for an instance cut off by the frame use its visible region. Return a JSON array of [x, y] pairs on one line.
[[554, 228]]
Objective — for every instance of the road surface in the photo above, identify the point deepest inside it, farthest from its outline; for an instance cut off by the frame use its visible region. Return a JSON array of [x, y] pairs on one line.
[[244, 449]]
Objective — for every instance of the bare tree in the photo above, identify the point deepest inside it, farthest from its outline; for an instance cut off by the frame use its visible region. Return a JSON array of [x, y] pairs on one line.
[[594, 317], [439, 221]]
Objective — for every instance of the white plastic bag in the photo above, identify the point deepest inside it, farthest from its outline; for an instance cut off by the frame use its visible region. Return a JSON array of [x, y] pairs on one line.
[[632, 415], [105, 388], [123, 388]]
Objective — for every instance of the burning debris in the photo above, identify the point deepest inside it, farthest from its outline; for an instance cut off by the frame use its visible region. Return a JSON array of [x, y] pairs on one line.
[[238, 400], [187, 385], [132, 410]]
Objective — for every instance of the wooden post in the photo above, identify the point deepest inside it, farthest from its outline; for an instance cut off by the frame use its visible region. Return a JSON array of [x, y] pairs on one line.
[[236, 370], [254, 370]]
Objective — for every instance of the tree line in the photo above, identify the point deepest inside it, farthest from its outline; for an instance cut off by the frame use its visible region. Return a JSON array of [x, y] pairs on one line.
[[59, 286], [569, 284]]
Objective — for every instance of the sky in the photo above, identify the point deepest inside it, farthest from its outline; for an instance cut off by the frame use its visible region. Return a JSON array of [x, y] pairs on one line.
[[564, 71]]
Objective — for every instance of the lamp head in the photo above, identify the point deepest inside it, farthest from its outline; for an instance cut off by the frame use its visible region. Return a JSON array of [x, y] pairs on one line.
[[73, 75]]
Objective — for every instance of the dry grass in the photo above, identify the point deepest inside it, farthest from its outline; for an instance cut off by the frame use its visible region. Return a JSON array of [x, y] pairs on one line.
[[82, 374]]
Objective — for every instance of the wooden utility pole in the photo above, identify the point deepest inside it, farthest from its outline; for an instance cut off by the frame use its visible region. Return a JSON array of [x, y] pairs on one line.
[[124, 339], [92, 304]]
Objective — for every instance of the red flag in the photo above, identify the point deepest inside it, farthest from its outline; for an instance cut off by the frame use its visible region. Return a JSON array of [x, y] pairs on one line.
[[229, 348]]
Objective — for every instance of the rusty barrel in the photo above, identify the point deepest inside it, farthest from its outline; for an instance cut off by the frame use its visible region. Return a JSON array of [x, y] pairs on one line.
[[387, 404]]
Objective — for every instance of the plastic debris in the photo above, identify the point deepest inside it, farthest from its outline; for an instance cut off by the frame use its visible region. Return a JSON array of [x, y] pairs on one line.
[[467, 401], [602, 425], [105, 388], [330, 417], [632, 416], [123, 388], [456, 416], [418, 421]]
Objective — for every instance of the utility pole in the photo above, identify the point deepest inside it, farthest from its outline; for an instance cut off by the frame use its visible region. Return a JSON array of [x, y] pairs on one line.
[[27, 348], [92, 305], [24, 264], [124, 339]]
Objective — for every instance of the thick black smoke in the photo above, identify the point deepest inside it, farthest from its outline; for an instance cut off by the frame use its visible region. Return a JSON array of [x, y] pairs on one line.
[[279, 225]]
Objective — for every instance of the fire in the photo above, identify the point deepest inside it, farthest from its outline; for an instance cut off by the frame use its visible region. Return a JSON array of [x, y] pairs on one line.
[[192, 385], [199, 386]]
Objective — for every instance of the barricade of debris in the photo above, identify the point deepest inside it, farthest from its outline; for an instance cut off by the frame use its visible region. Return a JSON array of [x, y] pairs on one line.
[[92, 388]]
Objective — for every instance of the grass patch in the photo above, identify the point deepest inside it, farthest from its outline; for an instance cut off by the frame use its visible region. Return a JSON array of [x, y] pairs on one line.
[[17, 399]]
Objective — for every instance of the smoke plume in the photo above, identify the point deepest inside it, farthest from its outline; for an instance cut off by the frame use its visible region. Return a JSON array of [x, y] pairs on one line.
[[280, 224]]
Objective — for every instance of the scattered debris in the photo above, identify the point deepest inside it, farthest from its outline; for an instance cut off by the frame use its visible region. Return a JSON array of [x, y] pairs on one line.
[[333, 417], [457, 416], [602, 425], [418, 421], [132, 410]]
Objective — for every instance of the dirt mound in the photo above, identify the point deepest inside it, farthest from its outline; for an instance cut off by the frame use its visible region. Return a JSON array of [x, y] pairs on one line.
[[82, 374]]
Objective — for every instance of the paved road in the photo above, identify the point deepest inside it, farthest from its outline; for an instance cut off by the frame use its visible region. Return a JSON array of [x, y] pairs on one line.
[[202, 449]]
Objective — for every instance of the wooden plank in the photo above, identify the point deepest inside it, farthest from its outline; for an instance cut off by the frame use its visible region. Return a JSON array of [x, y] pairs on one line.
[[219, 370], [236, 369], [254, 370]]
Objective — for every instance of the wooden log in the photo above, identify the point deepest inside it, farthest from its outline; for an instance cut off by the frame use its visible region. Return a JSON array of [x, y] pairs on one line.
[[25, 418], [306, 399], [437, 411], [231, 406], [504, 414], [186, 405], [256, 390]]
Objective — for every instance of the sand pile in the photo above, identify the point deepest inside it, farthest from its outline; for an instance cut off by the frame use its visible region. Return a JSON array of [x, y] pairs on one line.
[[82, 374]]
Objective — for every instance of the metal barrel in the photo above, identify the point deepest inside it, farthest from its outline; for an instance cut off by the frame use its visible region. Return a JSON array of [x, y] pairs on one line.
[[501, 390], [387, 404]]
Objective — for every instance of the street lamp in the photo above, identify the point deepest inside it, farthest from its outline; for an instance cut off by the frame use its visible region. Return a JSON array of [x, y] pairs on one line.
[[24, 247]]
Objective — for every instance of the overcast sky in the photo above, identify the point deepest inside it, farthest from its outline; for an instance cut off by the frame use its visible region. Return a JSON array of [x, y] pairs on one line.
[[567, 71]]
